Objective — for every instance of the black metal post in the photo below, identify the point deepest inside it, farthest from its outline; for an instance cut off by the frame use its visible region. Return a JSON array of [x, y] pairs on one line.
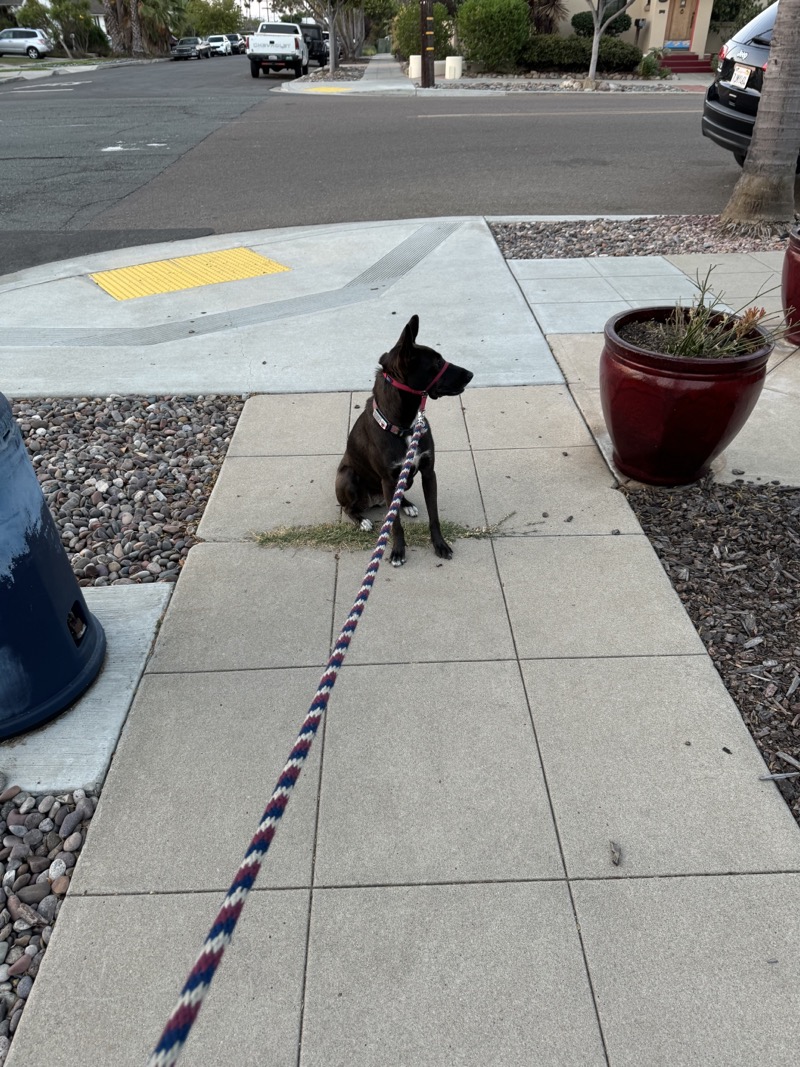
[[426, 33]]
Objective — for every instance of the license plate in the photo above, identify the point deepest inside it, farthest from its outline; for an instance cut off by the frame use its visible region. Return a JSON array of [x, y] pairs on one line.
[[272, 57], [741, 76]]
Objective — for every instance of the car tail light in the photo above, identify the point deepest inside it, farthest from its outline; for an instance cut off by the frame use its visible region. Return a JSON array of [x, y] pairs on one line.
[[297, 43], [722, 54]]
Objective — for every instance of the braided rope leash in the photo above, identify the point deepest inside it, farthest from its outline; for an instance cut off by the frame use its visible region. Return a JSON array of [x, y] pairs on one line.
[[180, 1022]]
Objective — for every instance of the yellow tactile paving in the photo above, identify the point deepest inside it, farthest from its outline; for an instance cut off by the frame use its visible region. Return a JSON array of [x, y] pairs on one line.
[[185, 272]]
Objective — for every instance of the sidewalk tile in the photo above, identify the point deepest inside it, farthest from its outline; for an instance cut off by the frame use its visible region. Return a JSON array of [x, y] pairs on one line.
[[295, 424], [578, 317], [429, 610], [563, 492], [578, 356], [698, 263], [130, 956], [692, 971], [257, 493], [202, 753], [767, 446], [544, 269], [591, 596], [650, 737], [446, 419], [450, 787], [644, 290], [437, 975], [563, 290], [240, 606], [537, 416], [655, 267]]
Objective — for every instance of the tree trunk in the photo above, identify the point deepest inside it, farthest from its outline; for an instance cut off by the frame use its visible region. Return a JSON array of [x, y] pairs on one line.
[[598, 9], [137, 45], [764, 195], [112, 26], [333, 44]]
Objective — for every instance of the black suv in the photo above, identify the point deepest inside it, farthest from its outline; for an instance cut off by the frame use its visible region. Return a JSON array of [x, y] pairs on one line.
[[317, 46], [732, 100]]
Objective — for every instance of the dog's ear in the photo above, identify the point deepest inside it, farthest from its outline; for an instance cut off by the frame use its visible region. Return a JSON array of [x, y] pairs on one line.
[[409, 335], [398, 359]]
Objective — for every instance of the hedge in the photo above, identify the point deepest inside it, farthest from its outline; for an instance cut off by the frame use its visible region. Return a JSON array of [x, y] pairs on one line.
[[572, 54]]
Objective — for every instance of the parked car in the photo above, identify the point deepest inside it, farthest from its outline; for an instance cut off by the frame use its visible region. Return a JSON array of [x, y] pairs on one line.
[[25, 42], [191, 48], [317, 45], [277, 46], [238, 43], [731, 103]]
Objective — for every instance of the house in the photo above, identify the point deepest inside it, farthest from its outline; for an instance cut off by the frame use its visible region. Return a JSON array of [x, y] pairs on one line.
[[681, 27]]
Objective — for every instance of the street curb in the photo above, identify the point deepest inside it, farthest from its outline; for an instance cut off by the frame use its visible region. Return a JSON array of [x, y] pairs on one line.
[[67, 68]]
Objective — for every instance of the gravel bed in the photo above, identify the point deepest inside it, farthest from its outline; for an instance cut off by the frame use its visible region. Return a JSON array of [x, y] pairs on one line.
[[732, 553], [556, 84], [42, 837], [127, 478], [345, 72], [657, 235]]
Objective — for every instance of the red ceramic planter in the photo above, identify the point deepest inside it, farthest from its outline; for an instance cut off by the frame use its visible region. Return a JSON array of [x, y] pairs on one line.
[[669, 417], [790, 287]]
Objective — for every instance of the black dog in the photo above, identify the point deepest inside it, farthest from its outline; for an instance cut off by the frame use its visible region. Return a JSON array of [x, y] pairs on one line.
[[378, 442]]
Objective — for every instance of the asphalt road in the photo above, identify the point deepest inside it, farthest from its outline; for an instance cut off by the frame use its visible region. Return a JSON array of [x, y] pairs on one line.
[[134, 154]]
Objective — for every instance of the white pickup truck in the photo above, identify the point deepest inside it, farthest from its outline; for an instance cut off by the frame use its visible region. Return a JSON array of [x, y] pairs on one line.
[[277, 46]]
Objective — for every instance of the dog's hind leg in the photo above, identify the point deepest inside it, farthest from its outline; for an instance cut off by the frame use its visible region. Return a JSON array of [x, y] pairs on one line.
[[350, 496]]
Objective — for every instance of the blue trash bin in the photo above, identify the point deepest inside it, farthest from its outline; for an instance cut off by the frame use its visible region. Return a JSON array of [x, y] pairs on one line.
[[51, 647]]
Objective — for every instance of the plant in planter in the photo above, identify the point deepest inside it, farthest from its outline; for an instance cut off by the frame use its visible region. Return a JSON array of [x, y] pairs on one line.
[[677, 384]]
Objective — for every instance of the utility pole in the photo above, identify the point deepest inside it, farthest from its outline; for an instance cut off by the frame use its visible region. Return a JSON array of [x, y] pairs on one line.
[[426, 34]]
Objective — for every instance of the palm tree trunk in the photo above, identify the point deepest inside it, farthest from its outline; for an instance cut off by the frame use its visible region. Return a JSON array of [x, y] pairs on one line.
[[764, 195], [137, 46], [112, 26]]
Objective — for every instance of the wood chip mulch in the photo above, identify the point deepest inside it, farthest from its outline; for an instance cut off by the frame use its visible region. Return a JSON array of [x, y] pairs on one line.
[[732, 553]]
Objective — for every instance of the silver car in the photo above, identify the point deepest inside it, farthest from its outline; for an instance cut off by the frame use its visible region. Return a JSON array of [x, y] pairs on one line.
[[25, 42]]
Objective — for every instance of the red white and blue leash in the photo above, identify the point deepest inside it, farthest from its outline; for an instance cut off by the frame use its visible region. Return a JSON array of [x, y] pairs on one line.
[[183, 1015]]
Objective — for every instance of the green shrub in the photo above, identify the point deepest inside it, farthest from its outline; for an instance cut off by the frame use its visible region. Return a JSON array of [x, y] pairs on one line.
[[650, 67], [550, 51], [494, 33], [572, 54], [617, 57], [407, 36], [583, 25]]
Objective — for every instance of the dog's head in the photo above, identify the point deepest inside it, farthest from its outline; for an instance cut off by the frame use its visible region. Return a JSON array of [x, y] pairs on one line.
[[417, 366]]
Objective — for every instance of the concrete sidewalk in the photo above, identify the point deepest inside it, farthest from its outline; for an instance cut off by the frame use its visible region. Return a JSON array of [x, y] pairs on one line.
[[442, 889]]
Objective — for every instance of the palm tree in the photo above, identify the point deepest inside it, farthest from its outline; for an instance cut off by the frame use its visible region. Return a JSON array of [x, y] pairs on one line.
[[137, 44], [764, 195], [112, 18]]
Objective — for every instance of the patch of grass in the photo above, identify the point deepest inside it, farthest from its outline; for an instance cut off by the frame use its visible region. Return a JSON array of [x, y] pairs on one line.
[[336, 536]]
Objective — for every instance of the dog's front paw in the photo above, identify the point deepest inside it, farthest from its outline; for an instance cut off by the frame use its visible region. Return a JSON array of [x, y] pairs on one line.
[[365, 524], [397, 559], [411, 510], [443, 550]]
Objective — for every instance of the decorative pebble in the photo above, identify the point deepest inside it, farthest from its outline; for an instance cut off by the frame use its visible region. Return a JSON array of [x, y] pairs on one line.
[[57, 869], [73, 842], [34, 894], [48, 908]]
